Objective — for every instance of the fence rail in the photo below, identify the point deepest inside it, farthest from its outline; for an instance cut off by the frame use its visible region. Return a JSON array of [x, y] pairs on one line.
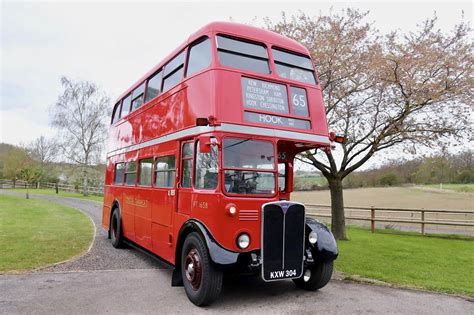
[[94, 190], [417, 216], [423, 217]]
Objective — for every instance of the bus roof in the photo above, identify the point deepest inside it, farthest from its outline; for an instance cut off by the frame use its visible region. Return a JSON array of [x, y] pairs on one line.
[[231, 28]]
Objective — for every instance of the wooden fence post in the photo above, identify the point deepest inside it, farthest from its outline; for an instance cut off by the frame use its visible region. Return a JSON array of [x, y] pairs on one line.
[[372, 219], [422, 222]]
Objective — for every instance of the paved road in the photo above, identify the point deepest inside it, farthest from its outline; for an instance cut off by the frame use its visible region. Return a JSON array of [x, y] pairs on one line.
[[107, 280]]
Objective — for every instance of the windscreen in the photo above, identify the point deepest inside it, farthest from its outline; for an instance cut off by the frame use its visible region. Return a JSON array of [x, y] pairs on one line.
[[249, 167]]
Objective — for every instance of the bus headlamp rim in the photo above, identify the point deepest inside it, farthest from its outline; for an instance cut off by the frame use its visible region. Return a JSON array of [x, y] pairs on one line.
[[243, 241], [313, 237]]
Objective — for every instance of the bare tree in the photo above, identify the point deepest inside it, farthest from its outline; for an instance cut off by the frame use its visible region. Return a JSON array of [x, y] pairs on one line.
[[405, 90], [81, 114], [43, 150]]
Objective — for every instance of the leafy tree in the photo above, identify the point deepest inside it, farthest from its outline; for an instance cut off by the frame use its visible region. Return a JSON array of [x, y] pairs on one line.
[[409, 90], [81, 114], [14, 160], [389, 179], [30, 174]]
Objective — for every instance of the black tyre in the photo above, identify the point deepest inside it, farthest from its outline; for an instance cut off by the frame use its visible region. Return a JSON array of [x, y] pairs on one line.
[[116, 230], [316, 277], [202, 280]]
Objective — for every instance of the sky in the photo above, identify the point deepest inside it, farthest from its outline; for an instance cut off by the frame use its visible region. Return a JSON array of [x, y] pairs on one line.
[[115, 43]]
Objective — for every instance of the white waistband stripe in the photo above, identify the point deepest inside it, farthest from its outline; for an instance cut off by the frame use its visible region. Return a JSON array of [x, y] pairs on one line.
[[227, 128]]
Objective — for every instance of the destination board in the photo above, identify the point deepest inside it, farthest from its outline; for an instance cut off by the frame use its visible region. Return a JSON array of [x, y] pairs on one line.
[[263, 95], [277, 120]]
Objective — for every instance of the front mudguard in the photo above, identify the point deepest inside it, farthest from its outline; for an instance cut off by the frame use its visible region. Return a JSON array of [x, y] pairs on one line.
[[325, 248], [220, 256]]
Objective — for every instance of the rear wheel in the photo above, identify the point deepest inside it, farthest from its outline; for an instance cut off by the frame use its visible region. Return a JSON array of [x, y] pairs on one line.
[[315, 277], [202, 280], [116, 230]]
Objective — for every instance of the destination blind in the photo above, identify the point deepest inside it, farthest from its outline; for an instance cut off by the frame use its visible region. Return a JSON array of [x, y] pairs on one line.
[[263, 95]]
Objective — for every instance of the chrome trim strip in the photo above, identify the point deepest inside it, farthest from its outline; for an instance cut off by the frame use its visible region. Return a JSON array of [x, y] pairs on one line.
[[227, 128]]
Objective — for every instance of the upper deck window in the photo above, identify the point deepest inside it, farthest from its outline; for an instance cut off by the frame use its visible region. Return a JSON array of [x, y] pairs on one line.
[[173, 72], [116, 113], [200, 56], [294, 67], [126, 105], [137, 96], [242, 55], [153, 88]]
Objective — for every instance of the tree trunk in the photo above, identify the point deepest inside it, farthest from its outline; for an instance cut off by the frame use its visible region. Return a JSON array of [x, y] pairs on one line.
[[27, 193], [85, 191], [338, 222]]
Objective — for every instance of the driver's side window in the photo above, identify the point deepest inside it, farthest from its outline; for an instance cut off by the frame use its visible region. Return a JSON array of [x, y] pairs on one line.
[[205, 176]]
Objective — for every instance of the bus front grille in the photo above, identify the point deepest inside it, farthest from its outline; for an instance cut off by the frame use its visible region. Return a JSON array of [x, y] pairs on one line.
[[282, 243]]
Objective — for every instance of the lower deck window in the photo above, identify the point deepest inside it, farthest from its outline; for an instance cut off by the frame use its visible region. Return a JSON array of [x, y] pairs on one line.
[[119, 171], [165, 171], [144, 178], [130, 173]]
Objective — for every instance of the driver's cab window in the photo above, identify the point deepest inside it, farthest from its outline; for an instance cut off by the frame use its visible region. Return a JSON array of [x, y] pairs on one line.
[[205, 176], [282, 170], [187, 164], [249, 166]]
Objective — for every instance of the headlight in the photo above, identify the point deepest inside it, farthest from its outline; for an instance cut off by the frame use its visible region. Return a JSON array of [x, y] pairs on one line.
[[243, 241], [313, 237], [231, 209]]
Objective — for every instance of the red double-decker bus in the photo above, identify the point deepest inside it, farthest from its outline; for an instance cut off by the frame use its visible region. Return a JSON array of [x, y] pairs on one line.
[[200, 167]]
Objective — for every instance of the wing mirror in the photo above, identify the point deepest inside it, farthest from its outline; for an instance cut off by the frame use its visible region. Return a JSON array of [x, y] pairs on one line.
[[205, 143]]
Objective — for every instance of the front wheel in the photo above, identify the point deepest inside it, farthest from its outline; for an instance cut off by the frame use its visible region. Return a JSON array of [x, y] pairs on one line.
[[315, 277], [202, 280]]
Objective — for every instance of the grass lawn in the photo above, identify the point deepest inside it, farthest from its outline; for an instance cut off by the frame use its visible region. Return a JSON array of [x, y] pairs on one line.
[[454, 187], [433, 263], [52, 192], [36, 233]]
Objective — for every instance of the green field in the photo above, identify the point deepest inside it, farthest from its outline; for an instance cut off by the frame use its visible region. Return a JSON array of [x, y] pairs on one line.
[[309, 182], [52, 192], [36, 233], [406, 259], [453, 187]]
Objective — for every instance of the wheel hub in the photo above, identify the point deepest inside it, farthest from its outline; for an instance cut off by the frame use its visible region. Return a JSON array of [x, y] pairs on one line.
[[193, 268]]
